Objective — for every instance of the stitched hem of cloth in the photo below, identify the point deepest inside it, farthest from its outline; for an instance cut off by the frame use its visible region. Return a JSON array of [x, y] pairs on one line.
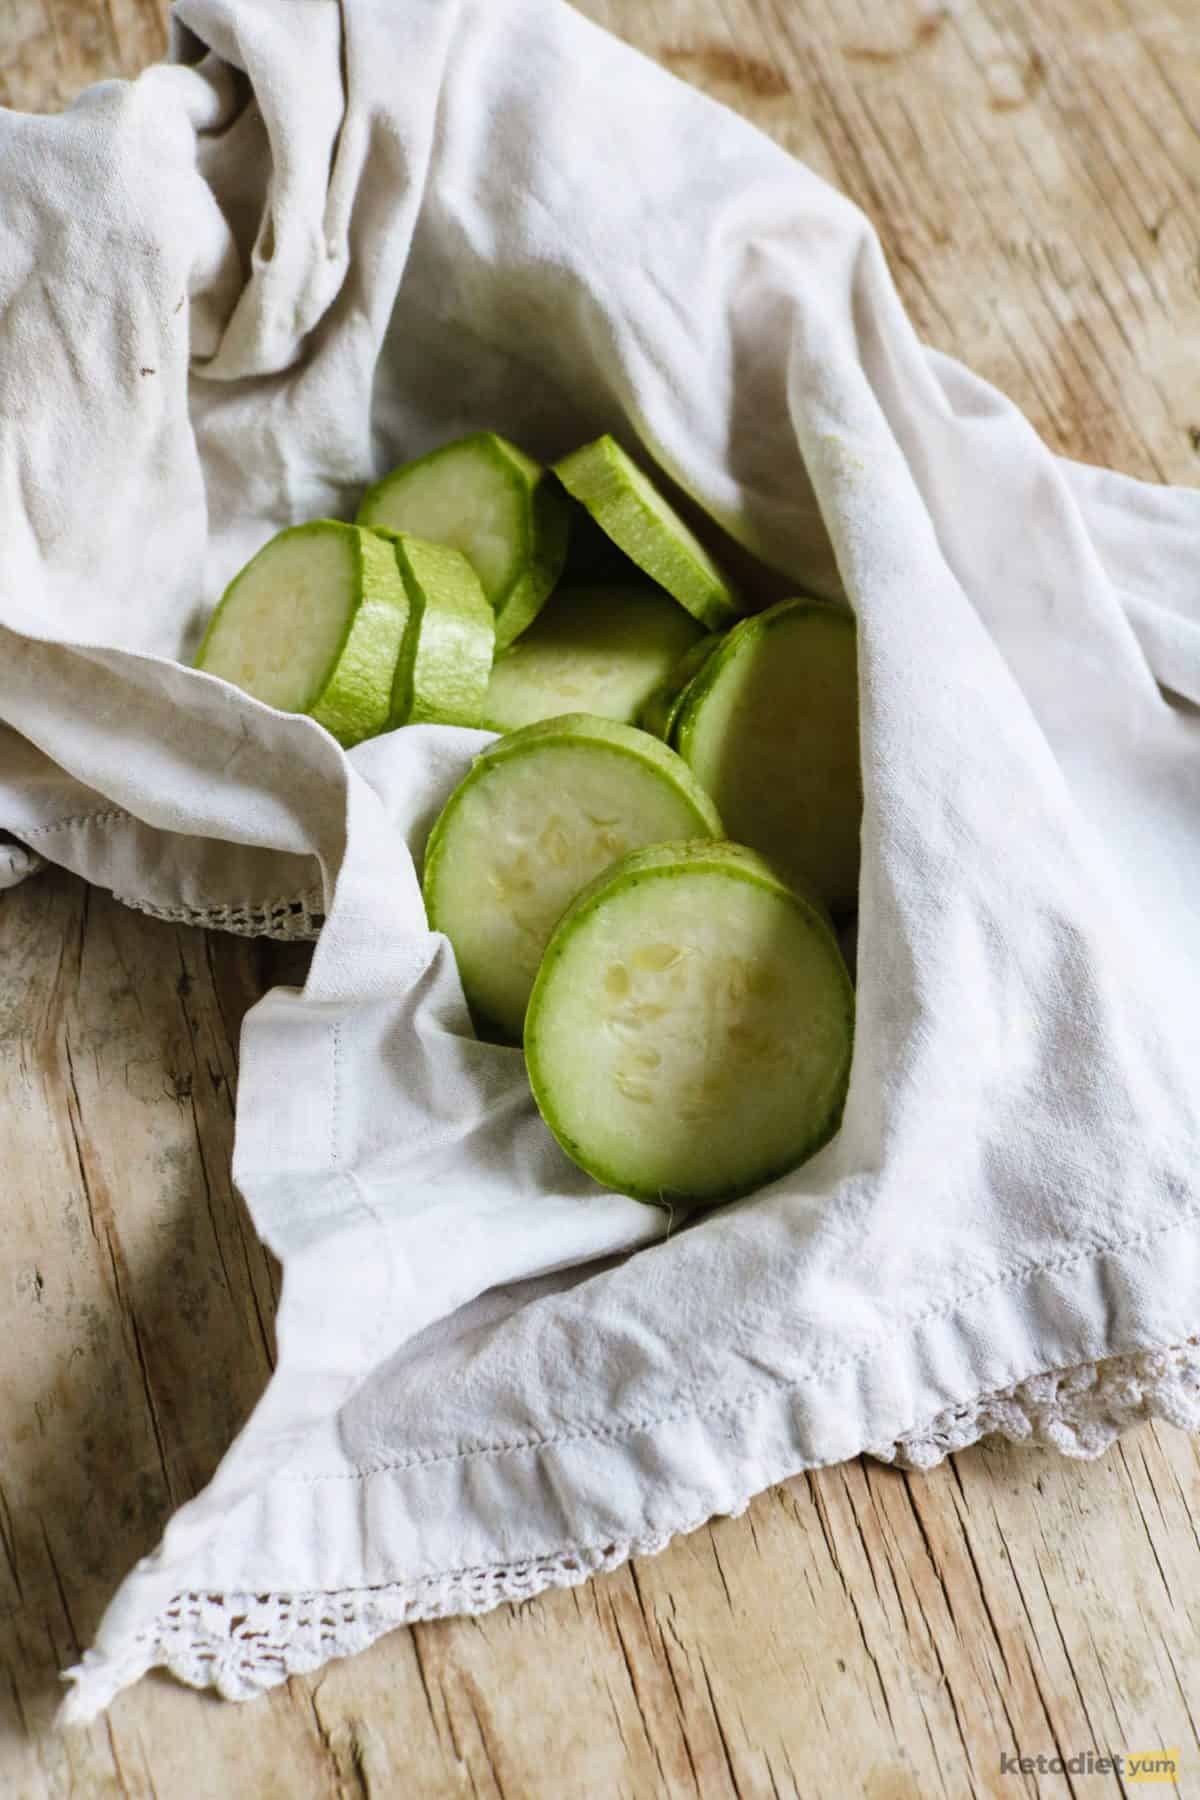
[[287, 919], [243, 1644]]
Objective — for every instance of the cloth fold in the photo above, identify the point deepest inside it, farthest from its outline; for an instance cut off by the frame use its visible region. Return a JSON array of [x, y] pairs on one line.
[[231, 294]]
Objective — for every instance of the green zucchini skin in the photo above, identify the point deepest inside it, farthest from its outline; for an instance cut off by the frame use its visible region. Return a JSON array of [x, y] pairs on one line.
[[627, 506], [660, 714], [445, 662]]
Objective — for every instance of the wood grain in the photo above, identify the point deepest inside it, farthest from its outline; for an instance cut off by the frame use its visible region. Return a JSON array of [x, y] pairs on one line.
[[50, 49], [1033, 172]]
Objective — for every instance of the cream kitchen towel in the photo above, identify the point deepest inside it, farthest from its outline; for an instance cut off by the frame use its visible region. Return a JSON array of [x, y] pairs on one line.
[[231, 293]]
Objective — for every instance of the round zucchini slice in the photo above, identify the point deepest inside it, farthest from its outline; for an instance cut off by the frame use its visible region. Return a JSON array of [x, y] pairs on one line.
[[690, 1030], [314, 624], [541, 813], [627, 506], [483, 497]]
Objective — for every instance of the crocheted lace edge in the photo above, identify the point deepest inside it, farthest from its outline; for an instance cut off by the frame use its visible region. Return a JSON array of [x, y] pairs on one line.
[[289, 919], [243, 1644]]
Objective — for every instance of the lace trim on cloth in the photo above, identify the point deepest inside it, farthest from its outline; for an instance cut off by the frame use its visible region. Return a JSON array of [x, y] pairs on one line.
[[243, 1644], [287, 920], [1078, 1411]]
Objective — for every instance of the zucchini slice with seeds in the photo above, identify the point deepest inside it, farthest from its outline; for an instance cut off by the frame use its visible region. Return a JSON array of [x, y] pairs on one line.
[[690, 1030], [541, 813]]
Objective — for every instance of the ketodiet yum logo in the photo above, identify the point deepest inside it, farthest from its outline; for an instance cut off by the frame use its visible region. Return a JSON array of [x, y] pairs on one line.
[[1129, 1765]]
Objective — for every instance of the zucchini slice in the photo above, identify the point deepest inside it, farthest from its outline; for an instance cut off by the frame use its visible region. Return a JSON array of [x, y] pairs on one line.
[[627, 506], [446, 659], [541, 813], [484, 497], [690, 1030], [770, 727], [314, 624]]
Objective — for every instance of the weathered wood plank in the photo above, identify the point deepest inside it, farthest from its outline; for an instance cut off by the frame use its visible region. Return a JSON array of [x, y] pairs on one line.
[[50, 49], [1033, 172]]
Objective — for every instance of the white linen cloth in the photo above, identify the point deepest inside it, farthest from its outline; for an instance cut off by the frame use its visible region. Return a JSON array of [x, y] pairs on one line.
[[231, 294]]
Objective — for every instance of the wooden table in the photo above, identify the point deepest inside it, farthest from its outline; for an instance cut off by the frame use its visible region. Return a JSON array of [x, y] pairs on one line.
[[1033, 166]]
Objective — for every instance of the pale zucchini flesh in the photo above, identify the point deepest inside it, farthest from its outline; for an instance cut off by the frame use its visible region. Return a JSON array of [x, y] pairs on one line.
[[628, 507], [600, 650], [770, 729], [485, 498], [689, 1033], [542, 812], [314, 624]]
